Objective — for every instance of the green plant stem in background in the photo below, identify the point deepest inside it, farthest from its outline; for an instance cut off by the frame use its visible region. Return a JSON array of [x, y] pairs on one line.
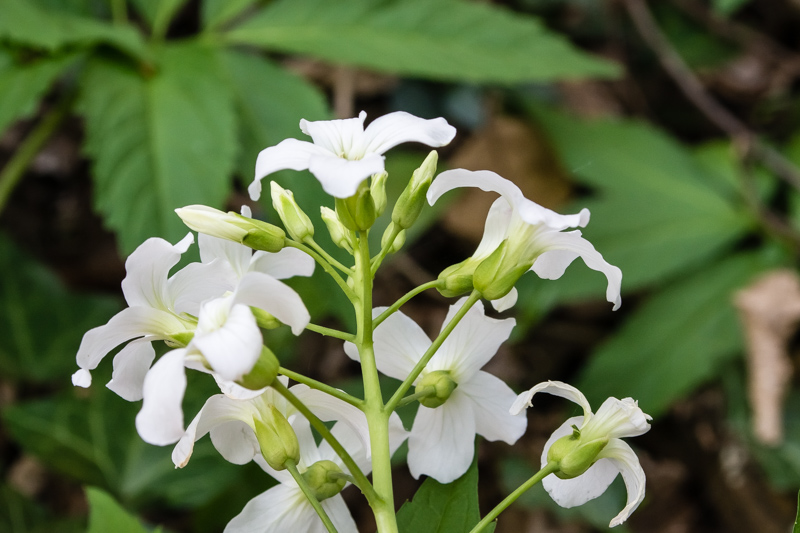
[[326, 266], [292, 468], [399, 303], [314, 384], [394, 401], [322, 330], [15, 168], [548, 469]]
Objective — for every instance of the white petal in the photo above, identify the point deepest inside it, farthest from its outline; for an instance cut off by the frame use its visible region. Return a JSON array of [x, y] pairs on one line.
[[197, 282], [472, 343], [130, 367], [339, 514], [233, 390], [328, 408], [232, 349], [82, 378], [491, 398], [352, 442], [495, 230], [562, 248], [235, 441], [588, 486], [341, 177], [274, 297], [399, 344], [625, 460], [288, 154], [341, 137], [556, 388], [399, 127], [442, 440], [286, 263], [236, 255], [506, 302], [309, 452], [160, 420], [148, 267], [281, 509], [397, 433], [617, 419]]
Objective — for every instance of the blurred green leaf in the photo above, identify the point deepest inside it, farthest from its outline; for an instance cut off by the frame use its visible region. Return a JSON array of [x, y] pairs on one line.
[[677, 340], [18, 514], [106, 515], [215, 13], [159, 13], [41, 322], [796, 528], [728, 7], [697, 46], [440, 39], [438, 508], [159, 141]]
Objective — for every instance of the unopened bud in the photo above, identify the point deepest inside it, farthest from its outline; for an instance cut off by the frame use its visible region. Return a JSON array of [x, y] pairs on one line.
[[276, 438], [265, 320], [573, 456], [397, 242], [263, 372], [357, 212], [339, 234], [442, 385], [377, 188], [456, 280], [325, 480], [297, 223], [497, 274], [233, 227], [412, 199]]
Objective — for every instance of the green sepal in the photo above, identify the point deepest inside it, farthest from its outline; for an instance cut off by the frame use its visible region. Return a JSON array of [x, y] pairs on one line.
[[263, 372]]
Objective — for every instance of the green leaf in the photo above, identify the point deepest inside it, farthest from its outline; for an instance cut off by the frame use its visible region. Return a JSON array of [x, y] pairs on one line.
[[106, 515], [440, 39], [159, 13], [677, 340], [728, 7], [18, 514], [41, 322], [22, 86], [215, 13], [438, 508], [158, 141]]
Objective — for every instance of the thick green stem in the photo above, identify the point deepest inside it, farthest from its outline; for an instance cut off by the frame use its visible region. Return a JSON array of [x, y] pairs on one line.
[[325, 266], [314, 384], [549, 468], [298, 477], [322, 330], [15, 168], [402, 301], [394, 401]]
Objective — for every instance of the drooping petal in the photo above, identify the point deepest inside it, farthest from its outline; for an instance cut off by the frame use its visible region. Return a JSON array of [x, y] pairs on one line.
[[579, 490], [148, 267], [130, 368], [160, 420], [275, 297], [625, 460], [280, 509], [556, 388], [233, 347], [441, 444], [491, 399], [399, 127], [341, 177], [506, 302], [288, 154], [472, 343], [286, 263], [562, 248], [617, 419]]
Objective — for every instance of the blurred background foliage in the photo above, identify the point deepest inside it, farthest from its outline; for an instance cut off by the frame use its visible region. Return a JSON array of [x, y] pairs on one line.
[[676, 123]]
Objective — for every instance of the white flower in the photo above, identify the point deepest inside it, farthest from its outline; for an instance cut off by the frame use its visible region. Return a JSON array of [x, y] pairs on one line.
[[441, 444], [533, 234], [616, 419], [343, 153]]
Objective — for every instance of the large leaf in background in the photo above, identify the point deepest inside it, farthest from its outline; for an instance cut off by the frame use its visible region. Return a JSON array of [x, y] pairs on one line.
[[158, 141], [41, 323], [215, 13], [677, 340], [106, 515], [25, 22], [22, 86], [21, 515], [438, 508], [159, 13], [440, 39]]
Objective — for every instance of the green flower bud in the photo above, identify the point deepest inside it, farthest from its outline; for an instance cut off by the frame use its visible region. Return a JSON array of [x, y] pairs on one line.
[[233, 227], [265, 320], [442, 385], [497, 274], [339, 234], [412, 199], [276, 438], [377, 188], [456, 280], [179, 340], [297, 223], [358, 212], [263, 372], [324, 478], [574, 455], [398, 241]]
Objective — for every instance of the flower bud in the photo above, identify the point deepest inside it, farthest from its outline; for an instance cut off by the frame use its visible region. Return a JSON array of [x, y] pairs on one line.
[[233, 227], [412, 199], [575, 455], [276, 438], [496, 275], [297, 223], [456, 280], [265, 320], [179, 340], [398, 241], [263, 372], [357, 212], [339, 234], [377, 188], [442, 385], [324, 480]]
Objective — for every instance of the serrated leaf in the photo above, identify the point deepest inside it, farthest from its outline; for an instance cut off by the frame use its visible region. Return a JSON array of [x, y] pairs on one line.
[[440, 39], [41, 322], [438, 508], [215, 13], [677, 340], [158, 141], [22, 86], [106, 515]]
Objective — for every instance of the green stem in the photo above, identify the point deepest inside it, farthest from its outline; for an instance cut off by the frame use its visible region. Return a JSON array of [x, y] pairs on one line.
[[424, 393], [361, 480], [377, 260], [402, 301], [298, 477], [394, 401], [549, 468], [332, 332], [328, 257], [314, 384], [326, 266], [15, 168]]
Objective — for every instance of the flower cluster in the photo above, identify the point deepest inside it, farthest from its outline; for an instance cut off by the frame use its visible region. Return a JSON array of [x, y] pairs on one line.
[[213, 315]]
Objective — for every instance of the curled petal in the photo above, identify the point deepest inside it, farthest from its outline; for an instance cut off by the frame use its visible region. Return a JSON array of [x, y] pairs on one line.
[[130, 368], [399, 127], [625, 460], [341, 177], [506, 302], [160, 420], [617, 419], [274, 297], [556, 388], [82, 378], [288, 154], [148, 267]]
